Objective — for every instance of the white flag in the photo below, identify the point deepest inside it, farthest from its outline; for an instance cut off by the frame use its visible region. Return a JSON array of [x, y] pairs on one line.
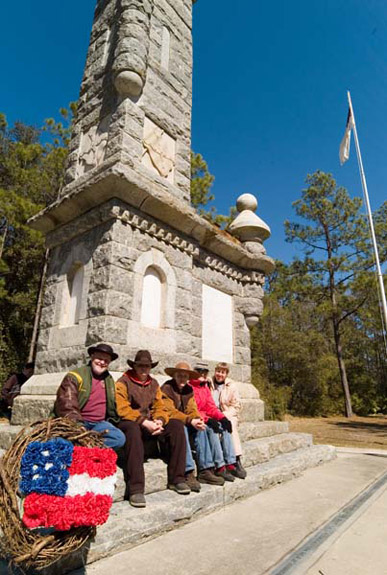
[[346, 141]]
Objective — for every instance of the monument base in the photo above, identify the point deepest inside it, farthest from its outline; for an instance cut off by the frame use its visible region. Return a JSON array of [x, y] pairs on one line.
[[37, 398]]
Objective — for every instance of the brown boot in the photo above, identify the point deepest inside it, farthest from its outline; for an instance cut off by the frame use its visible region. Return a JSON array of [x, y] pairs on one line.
[[207, 476], [193, 483]]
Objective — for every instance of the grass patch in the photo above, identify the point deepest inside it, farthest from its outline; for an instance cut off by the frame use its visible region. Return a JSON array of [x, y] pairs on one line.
[[368, 432]]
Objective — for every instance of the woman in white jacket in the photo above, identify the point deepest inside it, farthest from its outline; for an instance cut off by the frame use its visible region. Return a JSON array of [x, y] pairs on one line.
[[226, 396]]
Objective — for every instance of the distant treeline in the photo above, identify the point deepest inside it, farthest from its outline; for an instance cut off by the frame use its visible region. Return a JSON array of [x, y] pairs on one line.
[[319, 348]]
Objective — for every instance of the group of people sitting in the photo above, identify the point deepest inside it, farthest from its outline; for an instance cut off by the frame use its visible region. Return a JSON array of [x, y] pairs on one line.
[[191, 420]]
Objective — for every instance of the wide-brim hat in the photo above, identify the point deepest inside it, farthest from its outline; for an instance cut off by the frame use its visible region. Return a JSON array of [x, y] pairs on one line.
[[105, 348], [142, 356], [182, 366]]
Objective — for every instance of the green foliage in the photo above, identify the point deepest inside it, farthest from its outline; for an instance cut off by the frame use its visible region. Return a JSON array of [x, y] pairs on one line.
[[31, 175], [331, 288], [201, 197]]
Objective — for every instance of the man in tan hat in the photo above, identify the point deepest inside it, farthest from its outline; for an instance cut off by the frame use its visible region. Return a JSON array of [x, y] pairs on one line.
[[87, 395], [144, 418], [179, 400]]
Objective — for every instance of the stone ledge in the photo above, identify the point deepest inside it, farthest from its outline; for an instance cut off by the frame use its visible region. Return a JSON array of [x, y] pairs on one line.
[[254, 452], [8, 434], [128, 527], [156, 200], [247, 431], [255, 430]]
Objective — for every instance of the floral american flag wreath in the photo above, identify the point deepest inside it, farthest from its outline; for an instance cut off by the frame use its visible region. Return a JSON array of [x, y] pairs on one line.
[[66, 486]]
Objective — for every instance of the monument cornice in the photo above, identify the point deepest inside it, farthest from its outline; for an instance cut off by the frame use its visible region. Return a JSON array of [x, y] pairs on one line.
[[152, 199]]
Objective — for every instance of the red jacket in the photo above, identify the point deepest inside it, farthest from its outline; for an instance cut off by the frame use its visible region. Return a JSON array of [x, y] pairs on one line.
[[206, 405]]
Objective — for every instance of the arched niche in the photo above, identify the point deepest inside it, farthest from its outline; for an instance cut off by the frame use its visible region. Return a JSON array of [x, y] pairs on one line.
[[153, 300], [154, 278], [165, 48]]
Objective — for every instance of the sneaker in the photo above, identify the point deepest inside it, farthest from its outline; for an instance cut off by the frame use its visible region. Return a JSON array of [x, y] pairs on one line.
[[222, 472], [137, 500], [207, 476], [192, 482], [180, 488], [239, 471]]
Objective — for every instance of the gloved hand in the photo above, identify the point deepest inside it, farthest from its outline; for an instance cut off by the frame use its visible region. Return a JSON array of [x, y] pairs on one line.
[[214, 425], [226, 424]]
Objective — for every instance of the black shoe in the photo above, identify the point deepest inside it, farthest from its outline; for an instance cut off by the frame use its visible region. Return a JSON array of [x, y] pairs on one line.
[[239, 471], [225, 474]]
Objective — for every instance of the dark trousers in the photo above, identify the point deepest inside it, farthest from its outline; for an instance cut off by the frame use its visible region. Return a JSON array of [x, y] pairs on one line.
[[136, 435]]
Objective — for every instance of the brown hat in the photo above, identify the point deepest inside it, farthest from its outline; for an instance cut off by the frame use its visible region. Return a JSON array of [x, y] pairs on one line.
[[142, 356], [105, 348], [182, 366]]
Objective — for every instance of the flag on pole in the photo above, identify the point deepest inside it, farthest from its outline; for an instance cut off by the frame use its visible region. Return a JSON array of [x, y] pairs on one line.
[[346, 141]]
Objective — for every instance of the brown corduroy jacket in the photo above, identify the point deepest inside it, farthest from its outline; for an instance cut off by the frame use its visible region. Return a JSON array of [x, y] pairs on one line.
[[180, 405], [138, 401]]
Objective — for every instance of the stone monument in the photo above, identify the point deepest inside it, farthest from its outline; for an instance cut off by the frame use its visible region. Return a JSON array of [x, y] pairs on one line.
[[131, 262]]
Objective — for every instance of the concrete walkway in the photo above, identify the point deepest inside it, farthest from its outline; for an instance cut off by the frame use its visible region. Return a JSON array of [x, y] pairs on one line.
[[330, 521]]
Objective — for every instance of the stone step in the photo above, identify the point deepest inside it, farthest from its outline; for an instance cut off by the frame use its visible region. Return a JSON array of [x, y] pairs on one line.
[[255, 451], [8, 433], [250, 430], [247, 431], [128, 527]]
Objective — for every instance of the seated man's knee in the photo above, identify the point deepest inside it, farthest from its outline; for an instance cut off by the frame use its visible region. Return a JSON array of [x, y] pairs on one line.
[[130, 428], [176, 426]]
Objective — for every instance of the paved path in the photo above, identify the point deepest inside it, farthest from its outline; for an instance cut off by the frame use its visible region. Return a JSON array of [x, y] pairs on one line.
[[330, 521]]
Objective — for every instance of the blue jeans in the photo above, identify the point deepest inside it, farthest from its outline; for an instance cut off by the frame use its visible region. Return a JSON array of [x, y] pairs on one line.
[[189, 460], [222, 448], [203, 450], [114, 438]]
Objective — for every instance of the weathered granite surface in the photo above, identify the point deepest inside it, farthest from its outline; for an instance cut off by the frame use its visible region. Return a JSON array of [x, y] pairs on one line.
[[165, 510], [125, 210]]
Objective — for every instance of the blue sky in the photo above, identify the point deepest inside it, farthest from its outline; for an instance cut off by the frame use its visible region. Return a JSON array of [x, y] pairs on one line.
[[269, 91]]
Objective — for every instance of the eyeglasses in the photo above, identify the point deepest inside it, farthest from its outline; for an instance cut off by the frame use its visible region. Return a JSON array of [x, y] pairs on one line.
[[200, 370]]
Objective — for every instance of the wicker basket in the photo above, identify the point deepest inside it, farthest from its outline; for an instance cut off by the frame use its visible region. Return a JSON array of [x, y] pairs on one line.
[[18, 545]]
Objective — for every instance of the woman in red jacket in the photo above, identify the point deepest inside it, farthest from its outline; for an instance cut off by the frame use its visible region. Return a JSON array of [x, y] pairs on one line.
[[218, 427]]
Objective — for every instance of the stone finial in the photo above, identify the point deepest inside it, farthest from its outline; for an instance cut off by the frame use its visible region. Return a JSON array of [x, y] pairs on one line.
[[247, 226], [132, 48]]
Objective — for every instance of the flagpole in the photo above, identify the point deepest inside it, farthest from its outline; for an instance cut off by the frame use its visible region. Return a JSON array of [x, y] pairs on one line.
[[369, 213]]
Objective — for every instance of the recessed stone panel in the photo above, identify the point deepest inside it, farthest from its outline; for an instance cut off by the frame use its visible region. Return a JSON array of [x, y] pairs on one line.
[[159, 150], [217, 322]]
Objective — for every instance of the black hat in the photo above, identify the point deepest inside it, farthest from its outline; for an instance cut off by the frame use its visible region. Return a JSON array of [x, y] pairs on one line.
[[142, 356], [105, 348]]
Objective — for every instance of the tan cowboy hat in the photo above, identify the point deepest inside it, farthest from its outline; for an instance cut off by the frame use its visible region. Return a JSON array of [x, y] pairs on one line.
[[142, 356], [182, 366]]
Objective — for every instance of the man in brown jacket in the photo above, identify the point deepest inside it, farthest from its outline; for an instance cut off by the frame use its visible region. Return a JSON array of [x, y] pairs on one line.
[[144, 418]]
